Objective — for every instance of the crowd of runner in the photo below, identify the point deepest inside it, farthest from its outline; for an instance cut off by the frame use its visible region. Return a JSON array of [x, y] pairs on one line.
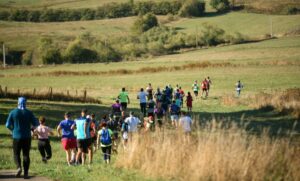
[[81, 137]]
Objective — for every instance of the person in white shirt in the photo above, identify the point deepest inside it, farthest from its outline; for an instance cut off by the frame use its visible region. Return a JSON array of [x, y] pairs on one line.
[[142, 96], [185, 122], [133, 123]]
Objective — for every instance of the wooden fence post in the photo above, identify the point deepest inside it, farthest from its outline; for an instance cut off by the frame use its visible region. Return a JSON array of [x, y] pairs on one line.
[[34, 91], [19, 92], [50, 93], [84, 95], [76, 93], [5, 91], [68, 93], [1, 90]]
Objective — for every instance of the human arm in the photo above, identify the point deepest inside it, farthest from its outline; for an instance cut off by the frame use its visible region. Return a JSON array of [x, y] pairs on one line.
[[9, 122], [58, 129], [128, 99]]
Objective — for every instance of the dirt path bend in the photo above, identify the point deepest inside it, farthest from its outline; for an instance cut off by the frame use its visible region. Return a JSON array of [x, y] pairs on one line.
[[9, 175]]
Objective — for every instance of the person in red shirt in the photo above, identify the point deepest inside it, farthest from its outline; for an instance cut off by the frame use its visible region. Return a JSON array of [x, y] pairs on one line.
[[204, 88], [182, 95], [189, 102]]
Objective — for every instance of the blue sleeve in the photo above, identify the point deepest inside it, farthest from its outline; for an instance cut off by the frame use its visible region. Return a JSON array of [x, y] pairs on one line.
[[9, 122]]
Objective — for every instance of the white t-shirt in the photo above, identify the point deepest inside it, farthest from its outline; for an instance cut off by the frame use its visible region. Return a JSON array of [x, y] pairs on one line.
[[132, 123], [43, 132], [186, 123], [142, 96]]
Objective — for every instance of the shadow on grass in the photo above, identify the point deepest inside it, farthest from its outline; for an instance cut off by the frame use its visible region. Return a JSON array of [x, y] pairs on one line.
[[256, 121]]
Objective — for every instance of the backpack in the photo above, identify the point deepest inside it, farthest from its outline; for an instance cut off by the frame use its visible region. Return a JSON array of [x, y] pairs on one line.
[[105, 137]]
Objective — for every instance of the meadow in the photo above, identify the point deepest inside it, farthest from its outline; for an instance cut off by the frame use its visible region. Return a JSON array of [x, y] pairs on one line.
[[24, 35], [254, 136]]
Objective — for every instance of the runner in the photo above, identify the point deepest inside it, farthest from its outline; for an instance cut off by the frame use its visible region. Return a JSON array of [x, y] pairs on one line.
[[186, 123], [44, 147], [177, 98], [204, 88], [82, 125], [174, 111], [149, 90], [142, 96], [105, 141], [123, 96], [133, 123], [68, 140], [124, 131], [239, 87], [209, 82], [158, 96], [93, 131], [19, 123], [113, 125], [116, 108], [189, 102], [159, 113], [150, 107], [195, 88], [182, 95]]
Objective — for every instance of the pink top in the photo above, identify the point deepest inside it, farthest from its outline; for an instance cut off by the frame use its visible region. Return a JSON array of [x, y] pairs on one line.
[[43, 132]]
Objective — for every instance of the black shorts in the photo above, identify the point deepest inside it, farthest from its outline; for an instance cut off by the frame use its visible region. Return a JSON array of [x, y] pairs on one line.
[[84, 144], [196, 92], [124, 105]]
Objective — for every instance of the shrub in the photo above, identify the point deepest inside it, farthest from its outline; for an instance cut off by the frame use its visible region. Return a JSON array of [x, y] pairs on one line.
[[220, 5], [290, 10], [76, 53], [144, 23], [52, 56], [4, 15], [27, 58], [212, 35], [192, 8]]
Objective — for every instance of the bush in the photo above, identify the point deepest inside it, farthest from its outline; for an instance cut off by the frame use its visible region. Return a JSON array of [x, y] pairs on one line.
[[220, 5], [144, 23], [192, 8], [290, 10], [52, 56], [76, 53], [27, 58], [212, 35]]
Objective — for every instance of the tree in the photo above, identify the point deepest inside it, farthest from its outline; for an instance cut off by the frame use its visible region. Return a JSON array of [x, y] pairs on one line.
[[145, 23], [192, 8], [220, 5]]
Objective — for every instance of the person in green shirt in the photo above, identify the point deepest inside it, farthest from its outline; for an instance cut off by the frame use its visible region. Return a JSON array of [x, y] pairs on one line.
[[195, 88], [124, 99]]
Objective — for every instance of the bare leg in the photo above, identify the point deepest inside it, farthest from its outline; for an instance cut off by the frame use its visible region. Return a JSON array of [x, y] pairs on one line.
[[68, 156]]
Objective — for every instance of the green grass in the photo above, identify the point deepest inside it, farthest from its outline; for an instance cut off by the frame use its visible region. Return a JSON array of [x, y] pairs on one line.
[[262, 66], [23, 35], [249, 24]]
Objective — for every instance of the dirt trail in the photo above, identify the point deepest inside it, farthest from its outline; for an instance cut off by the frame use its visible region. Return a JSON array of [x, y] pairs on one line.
[[9, 175]]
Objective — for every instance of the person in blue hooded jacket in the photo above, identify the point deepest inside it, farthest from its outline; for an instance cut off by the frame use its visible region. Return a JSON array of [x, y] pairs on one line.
[[20, 121]]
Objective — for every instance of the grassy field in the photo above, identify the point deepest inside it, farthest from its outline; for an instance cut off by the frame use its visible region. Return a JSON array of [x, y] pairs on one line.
[[262, 66], [22, 35]]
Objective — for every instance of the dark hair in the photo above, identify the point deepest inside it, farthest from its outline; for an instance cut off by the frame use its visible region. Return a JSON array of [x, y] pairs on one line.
[[103, 124], [123, 89], [92, 114], [68, 114], [142, 89], [42, 119]]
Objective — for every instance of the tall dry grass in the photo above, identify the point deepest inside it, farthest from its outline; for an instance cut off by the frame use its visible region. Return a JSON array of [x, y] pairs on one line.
[[214, 153], [284, 101]]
